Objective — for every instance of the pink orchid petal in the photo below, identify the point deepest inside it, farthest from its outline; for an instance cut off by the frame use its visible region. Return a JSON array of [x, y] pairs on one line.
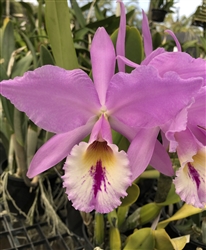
[[178, 124], [147, 38], [197, 112], [190, 182], [101, 131], [141, 150], [120, 46], [199, 133], [190, 178], [181, 63], [161, 161], [103, 62], [188, 146], [165, 142], [123, 129], [152, 55], [55, 99], [127, 61], [57, 148], [175, 39], [144, 99]]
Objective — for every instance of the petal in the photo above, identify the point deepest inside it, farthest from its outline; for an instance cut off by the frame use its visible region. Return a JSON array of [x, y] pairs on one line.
[[127, 62], [141, 150], [199, 133], [190, 182], [152, 55], [96, 176], [161, 161], [197, 111], [146, 35], [188, 146], [138, 101], [56, 149], [103, 62], [101, 131], [120, 45], [123, 129], [175, 39], [55, 99], [180, 62], [178, 124]]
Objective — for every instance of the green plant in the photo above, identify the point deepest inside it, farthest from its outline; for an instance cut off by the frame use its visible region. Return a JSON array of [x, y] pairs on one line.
[[166, 5]]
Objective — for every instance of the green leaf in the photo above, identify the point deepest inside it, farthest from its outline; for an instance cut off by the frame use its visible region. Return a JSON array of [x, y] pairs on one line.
[[99, 15], [185, 211], [78, 13], [3, 74], [22, 66], [8, 109], [8, 43], [122, 213], [31, 48], [99, 228], [189, 44], [20, 126], [5, 132], [156, 40], [141, 239], [114, 239], [147, 213], [180, 242], [29, 13], [45, 56], [162, 240], [112, 218], [59, 32], [110, 23], [80, 33], [133, 45], [133, 193]]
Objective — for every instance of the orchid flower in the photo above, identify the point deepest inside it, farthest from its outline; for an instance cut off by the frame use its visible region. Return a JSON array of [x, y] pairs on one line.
[[69, 104], [160, 159], [187, 136], [185, 133]]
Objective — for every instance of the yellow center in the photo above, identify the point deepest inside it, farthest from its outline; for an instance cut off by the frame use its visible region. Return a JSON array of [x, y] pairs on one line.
[[99, 151]]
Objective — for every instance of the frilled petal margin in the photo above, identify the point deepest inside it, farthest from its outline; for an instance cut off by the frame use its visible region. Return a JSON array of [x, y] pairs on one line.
[[141, 150], [96, 175], [57, 148], [190, 181], [178, 124], [56, 99], [137, 101], [181, 63]]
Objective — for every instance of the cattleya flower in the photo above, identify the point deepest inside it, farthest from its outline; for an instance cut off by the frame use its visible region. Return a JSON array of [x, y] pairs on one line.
[[185, 133], [69, 104]]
